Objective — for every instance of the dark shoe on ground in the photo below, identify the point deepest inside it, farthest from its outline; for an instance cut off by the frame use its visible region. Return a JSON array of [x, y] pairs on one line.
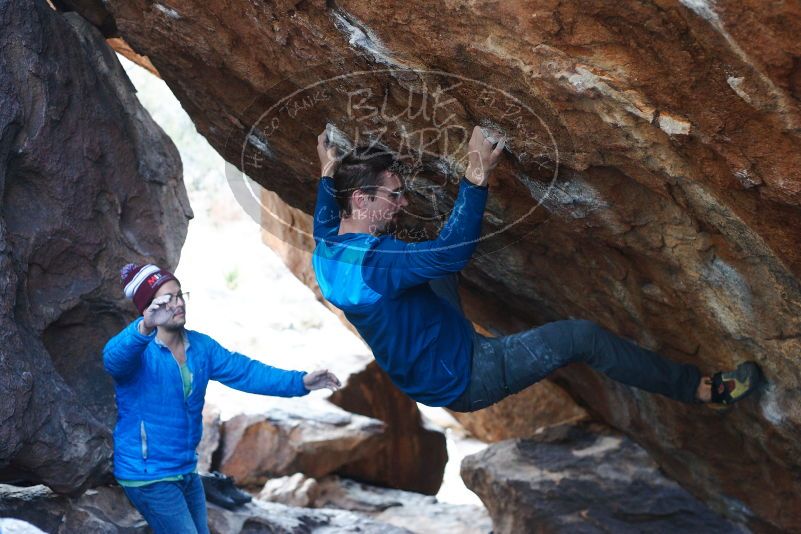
[[215, 494], [225, 485], [236, 494], [729, 387]]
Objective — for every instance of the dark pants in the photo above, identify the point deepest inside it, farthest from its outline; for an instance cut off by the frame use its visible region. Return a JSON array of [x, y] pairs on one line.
[[172, 507], [505, 365]]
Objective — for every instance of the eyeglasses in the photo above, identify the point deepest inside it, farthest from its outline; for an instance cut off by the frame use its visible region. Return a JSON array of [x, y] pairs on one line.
[[183, 296], [391, 194]]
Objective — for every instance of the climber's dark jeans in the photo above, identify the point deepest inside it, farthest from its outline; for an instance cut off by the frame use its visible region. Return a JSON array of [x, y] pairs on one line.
[[505, 365]]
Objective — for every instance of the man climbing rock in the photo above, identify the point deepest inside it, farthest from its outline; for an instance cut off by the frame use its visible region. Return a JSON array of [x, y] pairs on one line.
[[160, 371], [402, 297]]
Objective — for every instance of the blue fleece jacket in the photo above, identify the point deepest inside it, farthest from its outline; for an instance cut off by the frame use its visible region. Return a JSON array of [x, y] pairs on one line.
[[158, 429], [381, 284]]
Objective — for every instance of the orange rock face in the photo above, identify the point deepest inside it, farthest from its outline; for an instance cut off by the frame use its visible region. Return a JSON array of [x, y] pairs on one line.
[[651, 183], [519, 416], [413, 456], [316, 443]]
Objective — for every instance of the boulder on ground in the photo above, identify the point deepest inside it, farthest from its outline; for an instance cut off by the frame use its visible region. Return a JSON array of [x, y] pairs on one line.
[[294, 490], [102, 510], [414, 453], [419, 513], [280, 442], [106, 510], [259, 517], [582, 479]]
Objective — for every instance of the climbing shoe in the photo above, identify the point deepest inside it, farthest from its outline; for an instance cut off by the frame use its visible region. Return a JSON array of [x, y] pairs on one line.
[[729, 387]]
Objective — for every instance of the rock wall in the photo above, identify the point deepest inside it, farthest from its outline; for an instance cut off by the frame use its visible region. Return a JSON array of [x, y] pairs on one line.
[[88, 182], [652, 177]]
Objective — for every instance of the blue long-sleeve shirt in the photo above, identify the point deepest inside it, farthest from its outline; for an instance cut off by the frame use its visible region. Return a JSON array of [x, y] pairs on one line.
[[380, 283], [158, 428]]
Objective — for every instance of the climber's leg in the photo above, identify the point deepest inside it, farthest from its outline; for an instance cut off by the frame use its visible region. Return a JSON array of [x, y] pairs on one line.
[[505, 365], [618, 358]]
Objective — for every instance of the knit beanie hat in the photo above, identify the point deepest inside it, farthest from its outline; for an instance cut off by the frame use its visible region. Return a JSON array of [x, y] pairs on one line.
[[140, 283]]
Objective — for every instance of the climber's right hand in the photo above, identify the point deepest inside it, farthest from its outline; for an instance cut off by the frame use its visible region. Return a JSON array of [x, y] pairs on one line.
[[481, 155]]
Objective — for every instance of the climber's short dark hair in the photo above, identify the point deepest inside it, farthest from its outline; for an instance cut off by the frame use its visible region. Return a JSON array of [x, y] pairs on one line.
[[362, 169]]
